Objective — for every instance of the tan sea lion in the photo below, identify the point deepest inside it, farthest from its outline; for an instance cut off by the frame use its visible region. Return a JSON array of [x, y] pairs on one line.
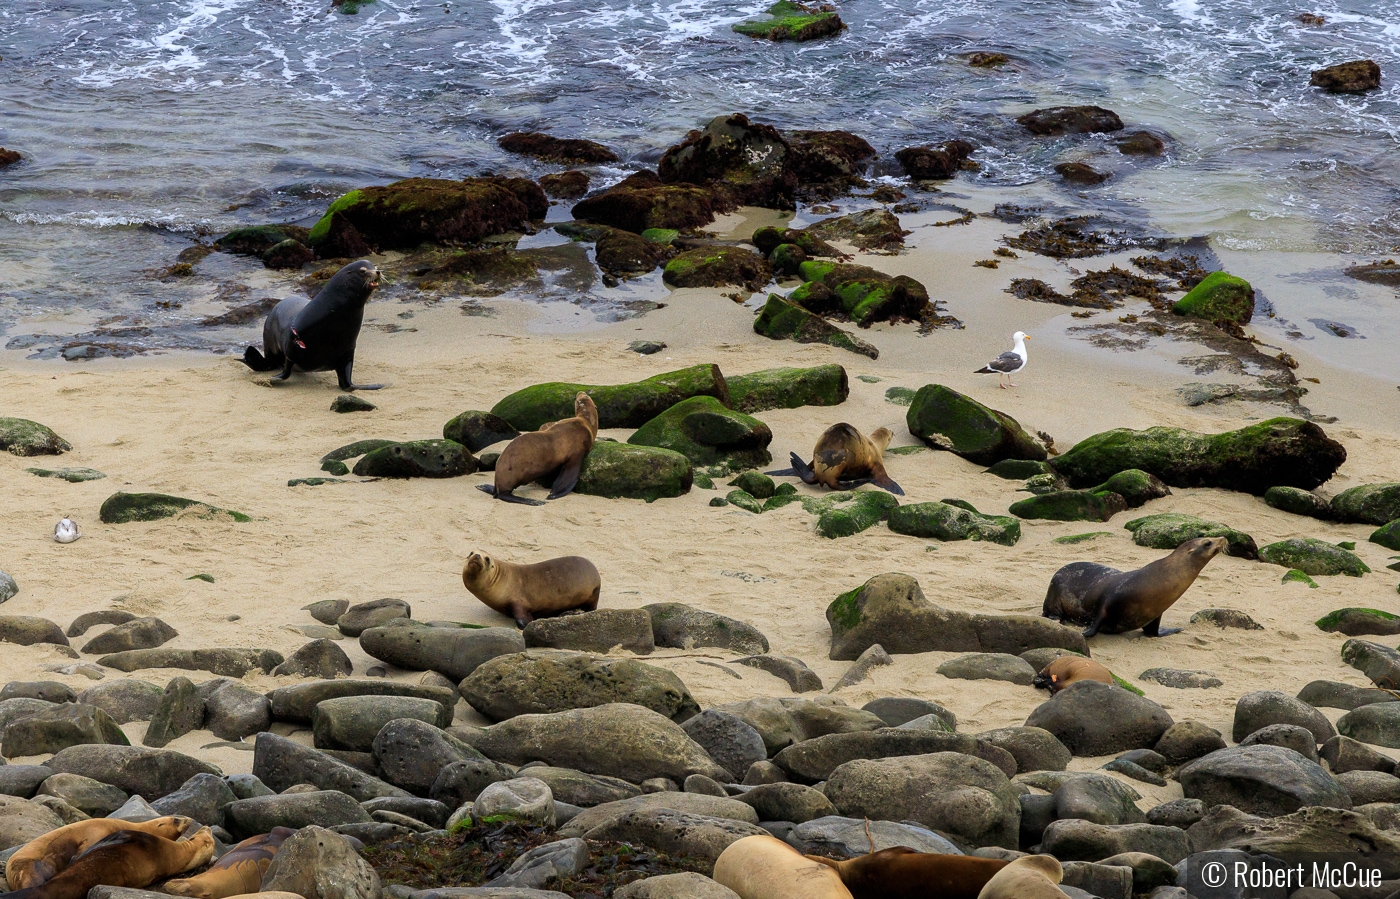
[[1115, 602], [559, 446], [127, 858], [539, 590], [1028, 877], [240, 870], [37, 861], [764, 867], [844, 458], [1068, 670], [902, 873]]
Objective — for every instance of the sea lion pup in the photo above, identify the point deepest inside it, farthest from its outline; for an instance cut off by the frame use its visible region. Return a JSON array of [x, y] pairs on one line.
[[1028, 877], [127, 858], [318, 334], [1116, 601], [1068, 670], [902, 873], [37, 861], [844, 458], [527, 592], [559, 446], [240, 871], [764, 867]]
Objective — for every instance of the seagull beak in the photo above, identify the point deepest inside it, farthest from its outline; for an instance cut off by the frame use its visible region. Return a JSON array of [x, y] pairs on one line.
[[1026, 337]]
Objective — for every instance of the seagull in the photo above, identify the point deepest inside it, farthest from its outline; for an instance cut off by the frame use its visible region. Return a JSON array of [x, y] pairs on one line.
[[66, 531], [1007, 364]]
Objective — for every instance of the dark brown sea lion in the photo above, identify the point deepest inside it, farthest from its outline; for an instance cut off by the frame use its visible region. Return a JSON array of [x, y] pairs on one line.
[[764, 867], [1028, 877], [37, 861], [902, 873], [560, 446], [1068, 670], [127, 858], [240, 871], [844, 458], [1115, 602], [540, 590]]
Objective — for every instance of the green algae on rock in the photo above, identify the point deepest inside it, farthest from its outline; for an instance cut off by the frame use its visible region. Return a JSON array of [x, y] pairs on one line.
[[791, 21], [1314, 557], [1387, 536], [257, 240], [619, 405], [1045, 483], [1281, 451], [1299, 502], [782, 319], [947, 420], [1368, 504], [770, 238], [1070, 505], [899, 396], [756, 484], [1168, 530], [1014, 469], [1294, 576], [418, 459], [943, 521], [348, 402], [22, 437], [623, 471], [1136, 487], [717, 267], [709, 434], [478, 430], [863, 293], [789, 388], [71, 475], [566, 150], [1357, 622], [744, 500], [1221, 298], [846, 514], [120, 508], [333, 462], [641, 203], [1073, 539]]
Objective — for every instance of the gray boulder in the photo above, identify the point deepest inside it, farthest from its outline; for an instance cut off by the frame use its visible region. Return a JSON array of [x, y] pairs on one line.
[[296, 703], [43, 690], [1264, 780], [203, 798], [536, 867], [794, 672], [687, 885], [88, 620], [327, 611], [1187, 740], [58, 727], [1033, 748], [27, 630], [989, 666], [429, 811], [814, 760], [124, 700], [1264, 707], [1180, 813], [376, 613], [586, 790], [788, 802], [1099, 799], [1076, 840], [318, 864], [1289, 736], [180, 711], [1365, 787], [733, 744], [327, 808], [689, 803], [676, 833], [542, 681], [319, 658], [459, 783], [22, 781], [838, 837], [872, 658], [788, 720], [1377, 724], [1329, 694], [1380, 663], [233, 712], [522, 799], [598, 631], [1096, 719], [281, 763], [12, 710], [412, 753], [454, 652], [227, 662], [139, 633], [352, 722], [88, 796], [897, 710], [1345, 754], [22, 821], [676, 625], [1309, 830]]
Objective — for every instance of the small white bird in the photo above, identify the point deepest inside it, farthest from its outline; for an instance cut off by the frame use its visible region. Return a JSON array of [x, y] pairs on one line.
[[66, 531], [1007, 364]]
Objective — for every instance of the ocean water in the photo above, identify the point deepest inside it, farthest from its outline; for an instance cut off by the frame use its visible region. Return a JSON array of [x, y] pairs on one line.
[[147, 124]]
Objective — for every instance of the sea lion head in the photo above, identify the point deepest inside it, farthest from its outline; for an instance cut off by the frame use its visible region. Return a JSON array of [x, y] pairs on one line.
[[1047, 865], [1203, 549], [171, 826], [355, 281], [586, 410], [480, 570], [201, 849], [881, 437]]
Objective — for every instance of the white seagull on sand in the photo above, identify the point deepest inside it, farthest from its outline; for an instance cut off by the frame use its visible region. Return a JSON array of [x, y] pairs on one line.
[[1007, 364], [66, 531]]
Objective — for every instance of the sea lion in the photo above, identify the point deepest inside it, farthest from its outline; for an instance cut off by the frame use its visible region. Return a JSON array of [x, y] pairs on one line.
[[37, 861], [1116, 601], [902, 873], [127, 858], [539, 590], [1068, 670], [1028, 877], [240, 870], [318, 334], [844, 458], [559, 446], [764, 867]]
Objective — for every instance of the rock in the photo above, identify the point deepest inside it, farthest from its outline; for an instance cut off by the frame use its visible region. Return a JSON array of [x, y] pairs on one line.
[[234, 712], [1344, 754], [139, 633], [1179, 679], [1267, 780], [897, 710], [1097, 798], [675, 833], [1288, 736], [1080, 173], [1387, 536], [781, 319], [88, 796], [1136, 487], [989, 666], [1087, 879], [783, 722], [246, 786], [22, 437], [945, 419], [717, 267], [1312, 830], [1070, 505], [318, 864], [1299, 502], [281, 763], [1141, 143], [788, 802], [535, 867], [934, 163], [1314, 557], [1223, 618], [121, 508], [1187, 740], [319, 658], [203, 798], [940, 521], [891, 610], [795, 672], [22, 821], [1074, 840], [478, 430], [1377, 724], [22, 780], [708, 434], [226, 662], [453, 652], [699, 783], [641, 202], [1221, 298], [1280, 451], [586, 790], [1356, 622], [619, 406], [43, 690], [1377, 504], [846, 514], [871, 229], [598, 631], [621, 471], [352, 722], [1180, 813], [296, 703], [622, 253], [791, 21], [12, 710], [66, 812], [346, 402], [789, 388], [417, 459], [1380, 663], [814, 760], [1355, 77], [376, 613], [148, 773], [58, 727], [1057, 120], [180, 711], [874, 657], [1370, 786], [459, 783], [687, 803], [1168, 530], [678, 626], [1093, 719], [522, 799], [864, 294], [26, 630], [258, 815], [731, 742], [554, 149], [1033, 749], [1265, 707], [687, 885], [617, 739], [412, 753], [546, 681], [427, 811]]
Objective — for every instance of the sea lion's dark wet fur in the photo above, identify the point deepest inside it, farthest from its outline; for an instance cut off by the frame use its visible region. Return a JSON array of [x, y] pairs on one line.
[[901, 873], [844, 459]]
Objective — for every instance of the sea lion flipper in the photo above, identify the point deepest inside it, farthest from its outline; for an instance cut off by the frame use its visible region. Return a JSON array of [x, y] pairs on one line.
[[568, 477], [258, 362], [888, 483], [1154, 628], [1093, 629], [286, 370], [784, 472], [858, 482], [347, 383], [804, 471]]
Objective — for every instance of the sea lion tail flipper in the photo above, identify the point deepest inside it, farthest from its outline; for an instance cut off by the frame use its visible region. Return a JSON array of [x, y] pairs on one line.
[[804, 471], [858, 482], [258, 362], [518, 500], [287, 364], [1154, 628], [487, 488], [888, 483], [568, 477], [787, 472]]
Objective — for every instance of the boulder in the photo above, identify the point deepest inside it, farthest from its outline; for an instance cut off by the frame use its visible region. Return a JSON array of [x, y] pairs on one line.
[[555, 149], [783, 722], [22, 781], [1344, 754], [180, 711], [22, 437], [585, 790], [88, 796], [1180, 813], [523, 799], [1265, 707], [741, 162], [676, 833], [137, 770], [1081, 173], [26, 630], [453, 652], [1168, 530], [641, 202], [795, 672], [42, 690], [709, 434], [675, 625], [688, 803], [789, 388], [296, 703], [428, 811], [8, 587], [319, 658], [1187, 740], [542, 681], [730, 741], [782, 319], [1265, 780], [814, 760], [58, 727], [417, 459], [412, 753], [1179, 679], [1354, 77], [1365, 787], [790, 21], [1075, 840], [1095, 719], [203, 798], [1387, 535], [1377, 724], [121, 508], [258, 815], [224, 662], [233, 712], [413, 211], [1310, 830], [352, 722], [622, 253], [870, 229], [1033, 748], [788, 802], [317, 864], [619, 406], [1299, 502], [1356, 622], [1058, 120], [139, 633], [1380, 663], [842, 838], [281, 763], [717, 266], [989, 666], [1377, 504], [376, 613], [328, 611], [898, 710], [863, 294], [22, 820], [622, 471], [535, 867], [945, 419], [846, 514], [1314, 557], [459, 783], [941, 521], [1097, 798], [599, 631], [1288, 736], [1221, 298], [686, 885], [1070, 505], [934, 163], [478, 430]]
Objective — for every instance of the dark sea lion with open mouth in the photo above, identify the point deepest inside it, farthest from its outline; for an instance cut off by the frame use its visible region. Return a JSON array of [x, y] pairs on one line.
[[844, 459], [319, 334]]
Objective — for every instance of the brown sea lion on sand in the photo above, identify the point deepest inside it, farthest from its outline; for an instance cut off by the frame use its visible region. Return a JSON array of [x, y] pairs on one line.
[[127, 858], [764, 867], [239, 871], [1115, 602], [1028, 877], [37, 861], [559, 446], [902, 873], [540, 590], [844, 458], [1068, 670]]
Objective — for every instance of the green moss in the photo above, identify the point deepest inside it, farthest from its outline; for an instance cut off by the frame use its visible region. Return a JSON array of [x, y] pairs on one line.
[[1387, 536], [23, 437], [802, 26], [1136, 487], [784, 495], [322, 228], [708, 434], [781, 319], [1220, 297], [789, 388], [844, 611], [703, 481], [1332, 620], [1073, 539], [1126, 686], [899, 396], [1020, 469], [334, 467], [1314, 557], [1348, 545], [945, 521], [756, 484], [258, 239], [71, 475], [619, 405], [1368, 504], [418, 459], [717, 267], [1299, 502], [945, 419], [866, 509], [358, 448], [663, 236], [1047, 483], [1070, 505], [351, 7], [1294, 576], [207, 578], [744, 500], [718, 501], [816, 270], [1169, 530], [121, 508], [621, 471]]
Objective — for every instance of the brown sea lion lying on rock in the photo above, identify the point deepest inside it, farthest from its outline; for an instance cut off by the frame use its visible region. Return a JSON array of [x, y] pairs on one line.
[[527, 592], [764, 867], [127, 858], [39, 860], [240, 871], [559, 446], [1068, 670], [902, 873], [844, 459]]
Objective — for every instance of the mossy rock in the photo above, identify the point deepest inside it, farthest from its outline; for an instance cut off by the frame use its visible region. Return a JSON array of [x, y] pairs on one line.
[[786, 259], [1046, 483], [717, 267], [1387, 536], [289, 254], [121, 508], [23, 437], [258, 239], [789, 21], [863, 293], [1368, 504], [1294, 576], [899, 396], [1220, 298], [871, 229], [333, 462], [619, 405], [418, 459], [1299, 502], [709, 434], [717, 502], [1314, 557], [783, 495], [478, 430], [1169, 530], [1136, 487], [1279, 452], [862, 510], [789, 388], [703, 481], [1075, 539], [663, 236], [781, 319], [756, 484], [622, 471], [1070, 505], [1019, 469], [624, 253], [71, 475], [1357, 622], [945, 419], [642, 203], [744, 500], [942, 521], [769, 239]]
